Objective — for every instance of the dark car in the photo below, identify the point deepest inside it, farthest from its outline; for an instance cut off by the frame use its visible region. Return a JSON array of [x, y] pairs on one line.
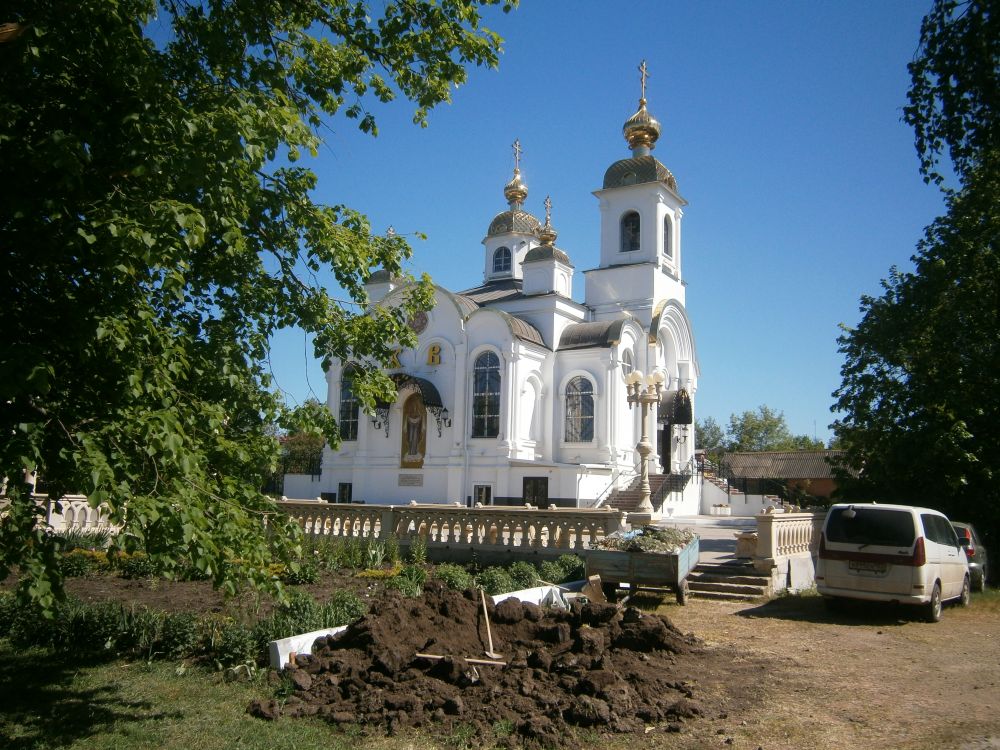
[[976, 553]]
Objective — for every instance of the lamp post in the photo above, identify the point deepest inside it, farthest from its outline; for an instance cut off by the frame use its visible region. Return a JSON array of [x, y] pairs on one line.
[[644, 391]]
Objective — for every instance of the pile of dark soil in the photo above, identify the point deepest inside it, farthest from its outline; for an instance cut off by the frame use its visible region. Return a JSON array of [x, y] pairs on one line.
[[595, 666]]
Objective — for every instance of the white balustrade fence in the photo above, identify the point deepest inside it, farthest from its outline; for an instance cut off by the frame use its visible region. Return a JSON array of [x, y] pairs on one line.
[[493, 527], [787, 544]]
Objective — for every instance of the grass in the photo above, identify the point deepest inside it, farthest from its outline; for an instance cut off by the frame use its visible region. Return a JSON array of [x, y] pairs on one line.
[[50, 701], [54, 701]]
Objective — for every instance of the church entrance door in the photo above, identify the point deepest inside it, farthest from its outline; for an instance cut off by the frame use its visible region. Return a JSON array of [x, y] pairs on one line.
[[536, 491]]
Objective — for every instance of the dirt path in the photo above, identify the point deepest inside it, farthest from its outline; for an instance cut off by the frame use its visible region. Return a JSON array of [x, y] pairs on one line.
[[862, 679]]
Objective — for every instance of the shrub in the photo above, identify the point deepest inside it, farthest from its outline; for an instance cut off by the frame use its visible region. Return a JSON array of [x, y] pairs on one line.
[[234, 643], [551, 572], [180, 635], [136, 565], [574, 567], [343, 608], [78, 563], [454, 576], [524, 574], [92, 539], [495, 580], [410, 580], [308, 572], [418, 550]]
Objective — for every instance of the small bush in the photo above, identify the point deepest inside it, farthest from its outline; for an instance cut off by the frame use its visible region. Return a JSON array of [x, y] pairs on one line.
[[524, 574], [410, 580], [551, 572], [495, 580], [454, 576], [136, 565], [418, 551], [235, 643], [343, 608], [574, 567], [78, 563], [308, 572], [90, 539], [180, 635]]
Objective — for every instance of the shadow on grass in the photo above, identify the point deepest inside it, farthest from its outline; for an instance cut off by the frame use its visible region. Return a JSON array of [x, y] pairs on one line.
[[44, 706], [813, 608]]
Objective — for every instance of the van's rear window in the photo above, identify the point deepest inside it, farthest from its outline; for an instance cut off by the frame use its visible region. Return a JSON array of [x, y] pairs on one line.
[[892, 528]]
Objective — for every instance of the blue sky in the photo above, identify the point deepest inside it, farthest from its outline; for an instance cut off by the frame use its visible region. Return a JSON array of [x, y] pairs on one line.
[[781, 122]]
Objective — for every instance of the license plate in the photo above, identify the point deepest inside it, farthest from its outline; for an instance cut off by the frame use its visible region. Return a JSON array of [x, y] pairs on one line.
[[864, 566]]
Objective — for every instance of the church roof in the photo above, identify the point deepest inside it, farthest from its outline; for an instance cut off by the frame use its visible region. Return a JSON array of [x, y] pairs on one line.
[[513, 220], [603, 333], [636, 170], [522, 329], [546, 252], [494, 291]]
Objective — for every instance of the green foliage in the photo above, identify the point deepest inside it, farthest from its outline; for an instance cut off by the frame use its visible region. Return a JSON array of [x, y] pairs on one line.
[[80, 562], [235, 643], [920, 383], [709, 435], [85, 539], [551, 571], [574, 567], [495, 580], [343, 608], [955, 88], [137, 565], [180, 635], [410, 580], [765, 429], [418, 550], [454, 576], [163, 229], [523, 574]]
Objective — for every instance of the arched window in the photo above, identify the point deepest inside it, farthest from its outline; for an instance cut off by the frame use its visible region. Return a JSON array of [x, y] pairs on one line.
[[486, 396], [501, 260], [627, 364], [668, 237], [348, 409], [579, 411], [630, 232]]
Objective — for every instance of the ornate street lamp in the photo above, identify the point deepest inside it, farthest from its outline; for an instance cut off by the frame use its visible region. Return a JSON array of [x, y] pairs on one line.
[[644, 391]]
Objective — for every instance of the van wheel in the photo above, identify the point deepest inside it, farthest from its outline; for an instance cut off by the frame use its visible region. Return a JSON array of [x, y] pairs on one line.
[[966, 588], [932, 610]]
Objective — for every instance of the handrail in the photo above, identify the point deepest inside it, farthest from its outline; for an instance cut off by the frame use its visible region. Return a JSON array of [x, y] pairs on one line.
[[616, 475]]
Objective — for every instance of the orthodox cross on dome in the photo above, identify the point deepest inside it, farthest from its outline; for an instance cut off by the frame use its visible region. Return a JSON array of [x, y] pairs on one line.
[[643, 75], [517, 154]]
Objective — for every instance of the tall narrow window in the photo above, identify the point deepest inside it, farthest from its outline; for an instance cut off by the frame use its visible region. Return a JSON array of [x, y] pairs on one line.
[[348, 409], [627, 364], [486, 396], [579, 411], [501, 260], [668, 237], [630, 232]]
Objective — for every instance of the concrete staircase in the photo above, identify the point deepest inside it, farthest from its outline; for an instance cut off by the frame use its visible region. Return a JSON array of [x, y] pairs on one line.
[[728, 581], [628, 499]]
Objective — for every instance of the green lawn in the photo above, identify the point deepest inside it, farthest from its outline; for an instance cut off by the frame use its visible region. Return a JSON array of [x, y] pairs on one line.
[[50, 701]]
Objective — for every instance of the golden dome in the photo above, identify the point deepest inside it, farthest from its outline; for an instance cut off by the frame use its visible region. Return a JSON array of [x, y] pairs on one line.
[[515, 191], [641, 130]]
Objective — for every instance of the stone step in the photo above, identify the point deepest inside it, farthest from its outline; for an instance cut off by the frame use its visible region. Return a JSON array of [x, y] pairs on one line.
[[752, 591], [722, 596], [746, 580]]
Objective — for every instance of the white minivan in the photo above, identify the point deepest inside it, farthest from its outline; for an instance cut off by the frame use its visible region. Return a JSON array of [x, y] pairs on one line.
[[891, 553]]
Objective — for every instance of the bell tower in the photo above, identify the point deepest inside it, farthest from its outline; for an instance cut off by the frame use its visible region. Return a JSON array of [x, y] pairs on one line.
[[641, 212]]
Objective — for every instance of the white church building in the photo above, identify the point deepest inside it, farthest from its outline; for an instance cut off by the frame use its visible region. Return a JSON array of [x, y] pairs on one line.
[[516, 392]]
